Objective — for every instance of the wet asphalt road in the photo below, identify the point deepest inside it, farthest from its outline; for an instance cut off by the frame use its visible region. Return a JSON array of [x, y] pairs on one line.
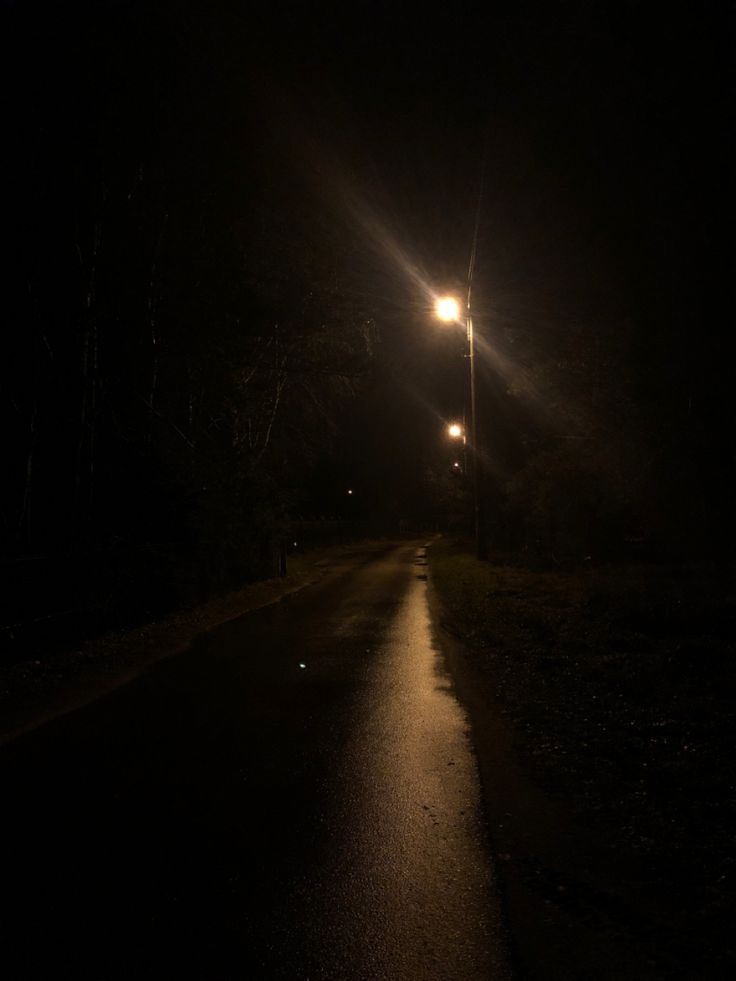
[[234, 814]]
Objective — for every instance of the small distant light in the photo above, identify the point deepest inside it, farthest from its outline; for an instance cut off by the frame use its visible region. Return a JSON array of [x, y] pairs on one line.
[[455, 430], [302, 665], [295, 544], [456, 465], [350, 492]]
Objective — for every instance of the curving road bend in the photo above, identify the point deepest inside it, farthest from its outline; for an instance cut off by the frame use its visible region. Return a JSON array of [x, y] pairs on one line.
[[295, 797]]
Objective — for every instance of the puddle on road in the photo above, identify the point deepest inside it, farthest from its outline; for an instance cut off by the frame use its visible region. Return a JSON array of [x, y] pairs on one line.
[[420, 557]]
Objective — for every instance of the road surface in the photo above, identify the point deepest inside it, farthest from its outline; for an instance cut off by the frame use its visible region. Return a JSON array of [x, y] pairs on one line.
[[295, 797]]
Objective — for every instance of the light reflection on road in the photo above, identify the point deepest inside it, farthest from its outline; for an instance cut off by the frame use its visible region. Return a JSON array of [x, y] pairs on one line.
[[410, 892]]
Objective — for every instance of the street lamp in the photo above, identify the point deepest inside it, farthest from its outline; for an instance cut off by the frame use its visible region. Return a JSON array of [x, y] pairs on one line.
[[448, 308], [455, 430]]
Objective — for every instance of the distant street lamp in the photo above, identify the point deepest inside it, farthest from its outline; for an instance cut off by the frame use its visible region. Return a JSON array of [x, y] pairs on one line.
[[455, 430], [448, 308]]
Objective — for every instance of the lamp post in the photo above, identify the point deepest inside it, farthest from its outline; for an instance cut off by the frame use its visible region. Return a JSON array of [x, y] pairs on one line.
[[448, 309]]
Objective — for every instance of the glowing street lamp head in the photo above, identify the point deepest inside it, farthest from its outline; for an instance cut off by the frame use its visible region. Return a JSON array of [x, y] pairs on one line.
[[455, 430], [447, 308]]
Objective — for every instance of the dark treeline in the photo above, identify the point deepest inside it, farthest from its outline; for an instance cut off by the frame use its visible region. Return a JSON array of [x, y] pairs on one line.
[[181, 332], [604, 286]]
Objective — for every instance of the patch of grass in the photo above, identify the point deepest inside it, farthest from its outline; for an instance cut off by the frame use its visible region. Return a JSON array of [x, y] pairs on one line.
[[618, 684]]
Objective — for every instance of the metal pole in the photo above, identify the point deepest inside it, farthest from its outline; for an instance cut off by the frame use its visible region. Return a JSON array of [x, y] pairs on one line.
[[479, 530], [481, 549]]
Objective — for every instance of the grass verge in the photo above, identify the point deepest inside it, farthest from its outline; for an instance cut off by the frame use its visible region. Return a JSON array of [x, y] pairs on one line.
[[615, 685]]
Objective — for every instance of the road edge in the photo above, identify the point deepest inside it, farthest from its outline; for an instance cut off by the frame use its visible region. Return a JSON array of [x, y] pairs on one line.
[[534, 847]]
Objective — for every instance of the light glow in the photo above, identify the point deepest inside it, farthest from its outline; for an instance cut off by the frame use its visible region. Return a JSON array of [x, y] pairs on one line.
[[455, 430], [447, 308]]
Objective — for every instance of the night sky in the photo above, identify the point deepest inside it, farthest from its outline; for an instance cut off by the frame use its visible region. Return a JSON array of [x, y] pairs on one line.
[[186, 181]]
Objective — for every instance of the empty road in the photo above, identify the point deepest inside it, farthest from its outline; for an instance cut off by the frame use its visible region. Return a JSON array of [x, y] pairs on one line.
[[294, 797]]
